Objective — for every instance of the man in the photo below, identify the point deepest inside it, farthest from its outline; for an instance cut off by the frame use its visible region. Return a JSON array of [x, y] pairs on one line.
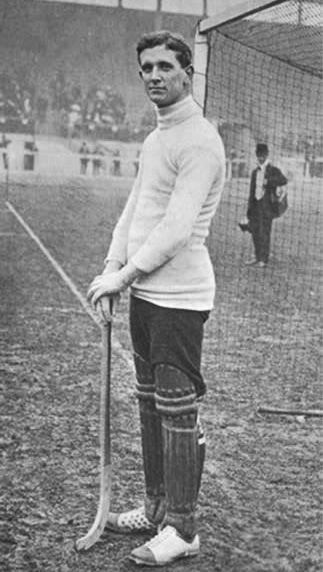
[[97, 159], [265, 180], [30, 150], [158, 249], [84, 151], [116, 162], [3, 145]]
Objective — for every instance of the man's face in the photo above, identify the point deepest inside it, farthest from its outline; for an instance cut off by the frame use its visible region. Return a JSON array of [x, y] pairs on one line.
[[261, 158], [166, 82]]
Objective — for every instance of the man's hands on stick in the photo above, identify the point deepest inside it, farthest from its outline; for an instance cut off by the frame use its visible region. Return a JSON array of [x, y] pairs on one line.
[[106, 308], [104, 291]]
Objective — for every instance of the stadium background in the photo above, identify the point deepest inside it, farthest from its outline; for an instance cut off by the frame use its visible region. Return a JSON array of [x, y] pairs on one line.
[[59, 55], [62, 62], [90, 46]]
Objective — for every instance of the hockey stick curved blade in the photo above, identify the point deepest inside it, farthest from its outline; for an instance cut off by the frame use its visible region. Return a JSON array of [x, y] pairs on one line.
[[97, 528], [99, 523]]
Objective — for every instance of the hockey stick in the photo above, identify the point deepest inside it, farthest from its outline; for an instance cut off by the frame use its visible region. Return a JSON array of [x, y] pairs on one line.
[[97, 528], [296, 412]]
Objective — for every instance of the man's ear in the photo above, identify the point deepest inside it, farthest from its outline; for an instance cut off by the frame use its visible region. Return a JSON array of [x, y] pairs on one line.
[[190, 71], [140, 74]]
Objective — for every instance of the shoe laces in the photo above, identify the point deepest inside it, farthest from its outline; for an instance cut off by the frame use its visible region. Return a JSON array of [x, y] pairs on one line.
[[163, 535]]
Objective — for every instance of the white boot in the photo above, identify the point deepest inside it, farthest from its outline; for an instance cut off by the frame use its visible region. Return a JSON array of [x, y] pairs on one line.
[[165, 548]]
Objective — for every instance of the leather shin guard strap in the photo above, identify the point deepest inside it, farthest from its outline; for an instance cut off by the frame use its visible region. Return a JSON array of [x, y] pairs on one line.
[[201, 451], [176, 402], [151, 438]]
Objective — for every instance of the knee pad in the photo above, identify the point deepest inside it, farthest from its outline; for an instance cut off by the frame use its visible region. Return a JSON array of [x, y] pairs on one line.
[[175, 396], [145, 380]]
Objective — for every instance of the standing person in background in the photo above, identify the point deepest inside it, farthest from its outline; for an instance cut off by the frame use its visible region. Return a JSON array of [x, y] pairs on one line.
[[116, 163], [30, 150], [97, 159], [84, 152], [158, 249], [3, 146], [136, 163], [265, 180]]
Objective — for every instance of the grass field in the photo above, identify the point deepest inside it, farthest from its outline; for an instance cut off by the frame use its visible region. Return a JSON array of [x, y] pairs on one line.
[[260, 502]]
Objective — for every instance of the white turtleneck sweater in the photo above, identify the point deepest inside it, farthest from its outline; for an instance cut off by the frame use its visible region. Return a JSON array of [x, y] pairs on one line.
[[166, 219]]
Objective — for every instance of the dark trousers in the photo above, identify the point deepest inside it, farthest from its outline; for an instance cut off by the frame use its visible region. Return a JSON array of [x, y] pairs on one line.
[[169, 336], [5, 160], [84, 163], [260, 225]]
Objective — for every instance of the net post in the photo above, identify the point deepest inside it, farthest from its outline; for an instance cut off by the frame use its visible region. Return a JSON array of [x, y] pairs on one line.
[[201, 57]]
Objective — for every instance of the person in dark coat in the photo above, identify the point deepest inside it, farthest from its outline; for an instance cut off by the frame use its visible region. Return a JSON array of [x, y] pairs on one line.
[[84, 151], [4, 142], [263, 194]]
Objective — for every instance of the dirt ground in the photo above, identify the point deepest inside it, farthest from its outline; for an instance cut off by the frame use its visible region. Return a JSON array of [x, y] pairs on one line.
[[260, 501]]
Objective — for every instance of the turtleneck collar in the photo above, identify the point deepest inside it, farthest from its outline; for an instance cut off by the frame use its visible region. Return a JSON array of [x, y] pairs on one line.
[[173, 114]]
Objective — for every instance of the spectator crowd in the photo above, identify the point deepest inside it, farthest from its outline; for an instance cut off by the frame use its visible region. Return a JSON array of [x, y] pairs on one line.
[[100, 113], [16, 102], [98, 110], [66, 108]]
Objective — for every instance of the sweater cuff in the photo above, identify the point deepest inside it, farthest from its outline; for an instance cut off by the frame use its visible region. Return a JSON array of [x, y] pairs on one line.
[[116, 254]]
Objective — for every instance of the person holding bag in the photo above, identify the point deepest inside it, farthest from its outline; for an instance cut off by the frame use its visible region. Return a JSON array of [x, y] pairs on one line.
[[265, 203]]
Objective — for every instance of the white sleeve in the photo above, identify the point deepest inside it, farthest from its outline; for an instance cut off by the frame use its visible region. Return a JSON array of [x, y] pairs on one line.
[[198, 170], [118, 247]]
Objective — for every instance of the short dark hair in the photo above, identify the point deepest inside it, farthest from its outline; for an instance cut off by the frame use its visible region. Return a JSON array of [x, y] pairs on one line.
[[171, 41], [262, 149]]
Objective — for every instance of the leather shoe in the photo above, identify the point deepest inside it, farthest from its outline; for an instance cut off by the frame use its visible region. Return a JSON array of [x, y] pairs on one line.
[[165, 548]]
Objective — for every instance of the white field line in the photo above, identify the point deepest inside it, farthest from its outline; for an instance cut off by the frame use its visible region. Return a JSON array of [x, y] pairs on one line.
[[69, 283]]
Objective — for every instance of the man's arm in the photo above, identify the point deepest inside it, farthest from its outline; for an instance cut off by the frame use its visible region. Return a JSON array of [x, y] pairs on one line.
[[111, 282], [118, 247], [282, 180], [198, 169], [276, 178]]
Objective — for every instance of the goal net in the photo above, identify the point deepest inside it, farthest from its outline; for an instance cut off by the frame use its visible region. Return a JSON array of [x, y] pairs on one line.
[[259, 79]]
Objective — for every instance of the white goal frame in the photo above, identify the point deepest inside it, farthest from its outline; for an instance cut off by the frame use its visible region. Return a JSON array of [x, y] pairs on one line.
[[227, 12]]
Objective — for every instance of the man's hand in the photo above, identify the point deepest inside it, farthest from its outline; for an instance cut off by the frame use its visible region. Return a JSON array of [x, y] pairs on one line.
[[106, 308], [281, 193], [112, 283], [106, 285]]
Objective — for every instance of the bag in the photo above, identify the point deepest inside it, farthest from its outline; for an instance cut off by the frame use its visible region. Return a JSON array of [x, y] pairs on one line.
[[279, 205]]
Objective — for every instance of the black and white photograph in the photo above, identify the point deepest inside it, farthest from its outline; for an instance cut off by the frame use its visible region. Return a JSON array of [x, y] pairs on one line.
[[161, 170]]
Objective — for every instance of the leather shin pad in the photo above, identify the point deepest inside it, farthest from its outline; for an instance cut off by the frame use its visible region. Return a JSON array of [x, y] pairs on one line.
[[176, 402], [151, 438]]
